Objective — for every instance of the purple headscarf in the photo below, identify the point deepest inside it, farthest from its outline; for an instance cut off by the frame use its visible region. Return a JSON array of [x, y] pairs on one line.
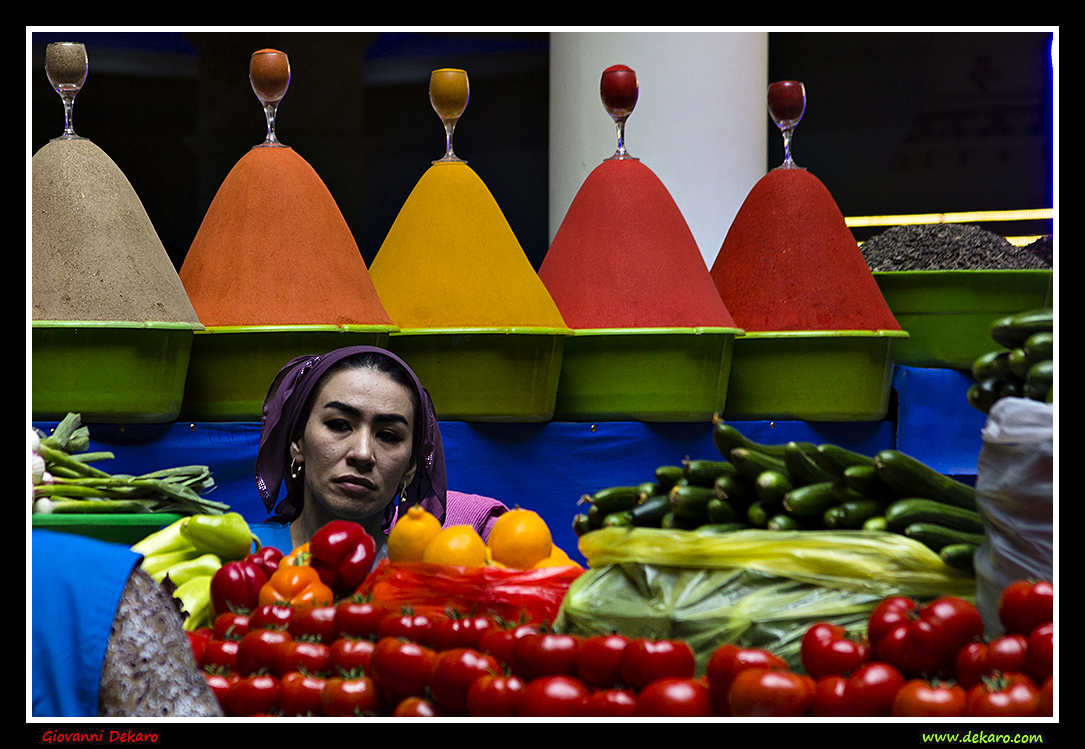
[[283, 409]]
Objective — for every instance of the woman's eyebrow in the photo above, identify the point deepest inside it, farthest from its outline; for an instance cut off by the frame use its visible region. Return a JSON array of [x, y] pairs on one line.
[[350, 410]]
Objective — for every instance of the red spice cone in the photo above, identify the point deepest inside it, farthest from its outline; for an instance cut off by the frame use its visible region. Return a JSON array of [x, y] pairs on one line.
[[789, 262], [624, 257], [274, 249]]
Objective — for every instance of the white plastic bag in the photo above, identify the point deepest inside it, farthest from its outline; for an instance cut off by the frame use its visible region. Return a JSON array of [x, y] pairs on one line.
[[1015, 498]]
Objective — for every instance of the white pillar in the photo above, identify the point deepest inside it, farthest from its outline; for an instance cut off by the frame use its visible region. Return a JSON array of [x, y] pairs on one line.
[[699, 124]]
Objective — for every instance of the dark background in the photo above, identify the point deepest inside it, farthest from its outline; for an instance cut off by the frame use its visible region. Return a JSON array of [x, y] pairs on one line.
[[895, 122]]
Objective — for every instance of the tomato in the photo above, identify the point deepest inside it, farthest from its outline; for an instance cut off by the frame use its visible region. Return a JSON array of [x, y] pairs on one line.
[[828, 698], [314, 623], [350, 696], [358, 617], [1040, 661], [1008, 653], [828, 650], [495, 696], [349, 654], [1026, 604], [235, 586], [408, 625], [545, 654], [457, 631], [598, 663], [197, 641], [416, 707], [258, 651], [256, 694], [610, 703], [728, 660], [1045, 706], [271, 616], [645, 660], [923, 640], [500, 641], [770, 693], [300, 694], [303, 655], [1003, 696], [919, 698], [220, 685], [870, 691], [674, 697], [453, 672], [231, 625], [401, 668], [220, 656], [554, 696]]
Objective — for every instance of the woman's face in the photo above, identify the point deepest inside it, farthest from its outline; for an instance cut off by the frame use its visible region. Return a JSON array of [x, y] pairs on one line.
[[357, 444]]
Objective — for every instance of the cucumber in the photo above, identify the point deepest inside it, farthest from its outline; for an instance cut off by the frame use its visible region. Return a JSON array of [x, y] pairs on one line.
[[675, 522], [705, 472], [991, 364], [1040, 346], [619, 520], [735, 489], [668, 476], [802, 466], [758, 514], [855, 513], [810, 500], [691, 502], [960, 556], [937, 537], [771, 486], [721, 527], [864, 480], [1039, 380], [595, 517], [1018, 363], [751, 463], [834, 517], [836, 459], [581, 524], [726, 438], [912, 478], [876, 523], [982, 395], [784, 523], [904, 512], [616, 498], [650, 512], [1012, 331], [720, 511]]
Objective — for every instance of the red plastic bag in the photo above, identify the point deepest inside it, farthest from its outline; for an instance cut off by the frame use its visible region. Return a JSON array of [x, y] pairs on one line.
[[532, 594]]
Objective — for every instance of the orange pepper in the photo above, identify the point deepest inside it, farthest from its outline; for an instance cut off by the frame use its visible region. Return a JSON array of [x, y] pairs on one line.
[[298, 585], [300, 555]]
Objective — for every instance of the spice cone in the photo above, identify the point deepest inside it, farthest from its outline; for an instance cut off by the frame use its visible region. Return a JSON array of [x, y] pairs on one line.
[[274, 249], [790, 263], [95, 254], [451, 260], [624, 257]]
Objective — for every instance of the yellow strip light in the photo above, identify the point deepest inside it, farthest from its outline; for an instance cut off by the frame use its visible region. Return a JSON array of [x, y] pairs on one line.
[[963, 217]]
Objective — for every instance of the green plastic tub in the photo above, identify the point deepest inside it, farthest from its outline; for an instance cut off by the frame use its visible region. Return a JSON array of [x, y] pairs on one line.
[[486, 374], [948, 313], [812, 375], [121, 528], [232, 367], [645, 374], [109, 372]]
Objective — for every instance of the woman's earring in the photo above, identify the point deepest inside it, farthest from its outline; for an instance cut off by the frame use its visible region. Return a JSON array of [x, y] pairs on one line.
[[295, 468]]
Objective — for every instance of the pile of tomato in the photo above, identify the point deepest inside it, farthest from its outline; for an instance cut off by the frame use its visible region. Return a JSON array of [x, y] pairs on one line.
[[356, 658]]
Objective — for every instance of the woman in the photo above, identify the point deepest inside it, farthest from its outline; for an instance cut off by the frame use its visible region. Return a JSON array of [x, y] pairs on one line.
[[349, 432]]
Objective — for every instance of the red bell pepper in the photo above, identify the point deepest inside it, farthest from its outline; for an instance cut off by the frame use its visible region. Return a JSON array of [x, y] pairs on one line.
[[342, 553], [236, 587]]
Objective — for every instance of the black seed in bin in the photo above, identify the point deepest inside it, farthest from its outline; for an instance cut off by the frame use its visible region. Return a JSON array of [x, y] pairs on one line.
[[948, 247]]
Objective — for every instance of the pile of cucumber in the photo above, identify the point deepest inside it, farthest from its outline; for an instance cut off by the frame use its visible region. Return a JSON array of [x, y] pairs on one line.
[[1025, 365], [797, 486]]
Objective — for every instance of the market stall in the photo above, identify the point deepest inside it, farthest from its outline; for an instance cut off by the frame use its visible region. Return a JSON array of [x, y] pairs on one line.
[[731, 498]]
